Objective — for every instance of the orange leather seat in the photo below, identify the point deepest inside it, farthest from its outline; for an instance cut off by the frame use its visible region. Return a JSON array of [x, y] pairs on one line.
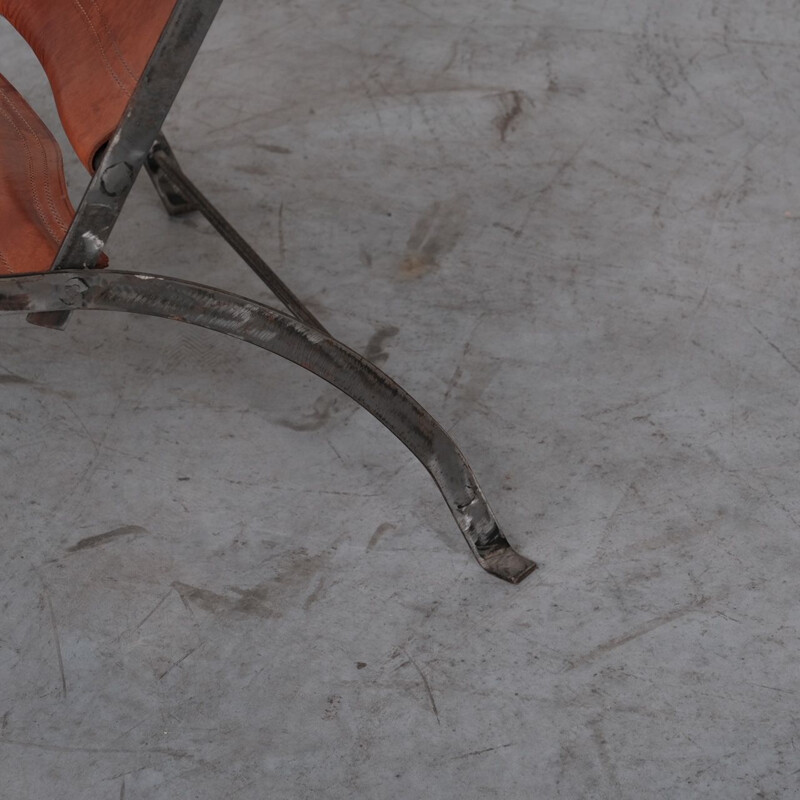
[[93, 52], [35, 209]]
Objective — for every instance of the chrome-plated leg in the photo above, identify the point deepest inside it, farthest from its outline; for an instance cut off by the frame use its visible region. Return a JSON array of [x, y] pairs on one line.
[[265, 327]]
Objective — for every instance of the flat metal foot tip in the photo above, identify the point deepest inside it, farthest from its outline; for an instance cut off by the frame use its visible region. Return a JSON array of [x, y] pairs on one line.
[[509, 565]]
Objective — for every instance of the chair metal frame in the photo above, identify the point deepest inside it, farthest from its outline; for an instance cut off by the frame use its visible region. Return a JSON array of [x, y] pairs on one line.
[[73, 284]]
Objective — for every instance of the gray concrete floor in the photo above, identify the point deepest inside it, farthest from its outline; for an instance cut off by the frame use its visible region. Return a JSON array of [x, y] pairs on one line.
[[570, 230]]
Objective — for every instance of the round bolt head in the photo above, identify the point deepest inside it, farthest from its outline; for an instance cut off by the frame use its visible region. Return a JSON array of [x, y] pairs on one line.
[[117, 179]]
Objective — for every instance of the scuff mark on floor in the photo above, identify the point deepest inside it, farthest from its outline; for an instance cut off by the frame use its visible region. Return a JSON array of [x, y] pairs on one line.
[[103, 538]]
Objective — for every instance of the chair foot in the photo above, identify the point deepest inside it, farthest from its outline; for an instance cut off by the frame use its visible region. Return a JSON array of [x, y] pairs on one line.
[[272, 330]]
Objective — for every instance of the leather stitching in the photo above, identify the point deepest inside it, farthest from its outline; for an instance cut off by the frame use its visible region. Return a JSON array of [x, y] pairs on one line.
[[114, 43], [103, 53], [31, 167], [48, 172], [8, 269], [35, 164]]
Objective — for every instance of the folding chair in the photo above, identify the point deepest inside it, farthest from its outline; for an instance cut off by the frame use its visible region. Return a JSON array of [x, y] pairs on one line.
[[115, 67]]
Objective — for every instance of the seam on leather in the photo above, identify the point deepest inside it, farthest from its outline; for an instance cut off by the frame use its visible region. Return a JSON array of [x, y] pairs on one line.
[[9, 270], [114, 43], [48, 172], [103, 53], [31, 167]]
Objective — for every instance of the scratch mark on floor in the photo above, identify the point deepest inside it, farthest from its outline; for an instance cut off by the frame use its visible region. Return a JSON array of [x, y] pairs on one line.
[[12, 378], [252, 601], [374, 350], [434, 235], [325, 406], [364, 256], [73, 495], [544, 192], [382, 529], [177, 663], [658, 622], [481, 752], [183, 596], [772, 688], [512, 103], [155, 608], [630, 492], [427, 687], [630, 404], [451, 60], [246, 786], [56, 748], [281, 238], [274, 148], [122, 736], [330, 444], [315, 595], [84, 428], [605, 758], [58, 644], [418, 10], [102, 538], [459, 370], [776, 349]]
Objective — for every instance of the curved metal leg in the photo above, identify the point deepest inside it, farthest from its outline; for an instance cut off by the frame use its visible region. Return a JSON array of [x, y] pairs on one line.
[[326, 357]]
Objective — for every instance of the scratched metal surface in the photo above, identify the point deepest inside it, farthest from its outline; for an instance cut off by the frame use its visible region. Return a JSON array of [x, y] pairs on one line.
[[570, 231]]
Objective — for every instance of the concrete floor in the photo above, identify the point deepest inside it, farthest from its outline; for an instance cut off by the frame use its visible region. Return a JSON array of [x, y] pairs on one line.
[[570, 230]]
